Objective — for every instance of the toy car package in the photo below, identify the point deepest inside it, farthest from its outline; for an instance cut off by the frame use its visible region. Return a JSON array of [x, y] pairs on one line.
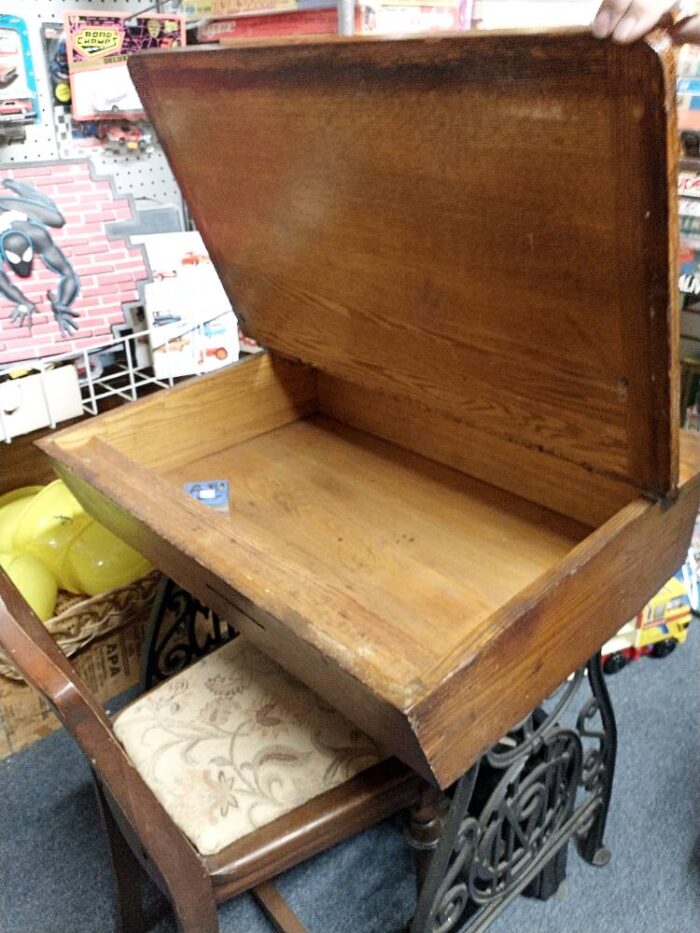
[[19, 102], [98, 46]]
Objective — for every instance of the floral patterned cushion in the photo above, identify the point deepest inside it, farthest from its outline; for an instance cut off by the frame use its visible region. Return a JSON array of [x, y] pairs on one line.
[[234, 742]]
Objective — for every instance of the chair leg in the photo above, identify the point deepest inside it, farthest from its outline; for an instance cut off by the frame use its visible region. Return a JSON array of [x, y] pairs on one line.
[[276, 909], [126, 871], [193, 904], [195, 911]]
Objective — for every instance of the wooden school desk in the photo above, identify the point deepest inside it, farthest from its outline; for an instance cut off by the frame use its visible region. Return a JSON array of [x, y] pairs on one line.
[[457, 470]]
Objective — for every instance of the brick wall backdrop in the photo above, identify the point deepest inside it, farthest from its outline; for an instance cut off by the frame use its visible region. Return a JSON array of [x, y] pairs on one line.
[[108, 269]]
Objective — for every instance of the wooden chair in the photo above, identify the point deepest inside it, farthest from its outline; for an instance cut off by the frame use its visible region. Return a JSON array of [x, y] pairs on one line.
[[140, 829]]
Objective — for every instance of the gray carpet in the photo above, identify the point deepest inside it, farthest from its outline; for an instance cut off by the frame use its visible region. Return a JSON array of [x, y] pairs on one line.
[[54, 875]]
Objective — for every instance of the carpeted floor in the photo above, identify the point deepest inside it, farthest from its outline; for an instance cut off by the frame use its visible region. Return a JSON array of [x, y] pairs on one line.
[[54, 873]]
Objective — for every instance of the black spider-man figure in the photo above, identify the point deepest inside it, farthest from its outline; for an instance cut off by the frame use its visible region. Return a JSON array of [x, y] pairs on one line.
[[24, 234]]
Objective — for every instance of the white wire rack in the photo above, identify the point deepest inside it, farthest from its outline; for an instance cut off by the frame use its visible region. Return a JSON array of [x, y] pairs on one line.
[[115, 368]]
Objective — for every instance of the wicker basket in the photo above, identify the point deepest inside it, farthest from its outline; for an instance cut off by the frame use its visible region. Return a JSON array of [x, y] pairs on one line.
[[79, 621]]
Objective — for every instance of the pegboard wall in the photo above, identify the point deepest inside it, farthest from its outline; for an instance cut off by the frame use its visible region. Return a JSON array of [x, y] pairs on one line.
[[143, 175]]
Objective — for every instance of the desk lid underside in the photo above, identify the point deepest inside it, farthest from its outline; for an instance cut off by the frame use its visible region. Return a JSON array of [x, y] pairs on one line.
[[477, 223]]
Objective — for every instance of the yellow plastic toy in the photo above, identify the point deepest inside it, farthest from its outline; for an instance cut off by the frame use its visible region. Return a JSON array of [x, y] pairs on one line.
[[101, 561], [51, 546], [22, 493], [48, 525], [34, 581], [11, 516], [53, 506]]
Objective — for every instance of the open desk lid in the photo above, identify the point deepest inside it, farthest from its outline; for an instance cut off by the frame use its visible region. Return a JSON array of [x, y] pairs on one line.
[[480, 223]]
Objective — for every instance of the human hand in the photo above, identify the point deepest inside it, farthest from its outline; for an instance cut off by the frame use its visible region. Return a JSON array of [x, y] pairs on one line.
[[629, 20]]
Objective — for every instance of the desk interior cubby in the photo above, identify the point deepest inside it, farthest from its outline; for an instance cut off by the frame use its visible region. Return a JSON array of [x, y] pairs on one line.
[[396, 567]]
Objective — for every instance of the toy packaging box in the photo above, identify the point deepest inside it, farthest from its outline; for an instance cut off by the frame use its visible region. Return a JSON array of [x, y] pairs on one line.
[[191, 323], [19, 102], [514, 14], [688, 88], [689, 223], [97, 48], [321, 18]]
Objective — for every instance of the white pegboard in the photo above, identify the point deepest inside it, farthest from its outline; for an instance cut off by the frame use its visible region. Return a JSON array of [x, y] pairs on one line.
[[145, 175]]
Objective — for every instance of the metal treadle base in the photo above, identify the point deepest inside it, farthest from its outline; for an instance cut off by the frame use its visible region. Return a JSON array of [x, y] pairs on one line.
[[511, 816], [181, 631]]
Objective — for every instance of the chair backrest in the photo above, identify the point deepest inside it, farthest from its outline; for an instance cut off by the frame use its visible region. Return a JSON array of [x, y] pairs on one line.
[[43, 665]]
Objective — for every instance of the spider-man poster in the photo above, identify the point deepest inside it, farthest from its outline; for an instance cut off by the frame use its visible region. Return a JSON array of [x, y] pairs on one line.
[[65, 277], [26, 219]]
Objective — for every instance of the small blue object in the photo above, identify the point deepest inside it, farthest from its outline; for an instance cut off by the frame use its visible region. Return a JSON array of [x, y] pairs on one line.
[[689, 101], [212, 493], [688, 86]]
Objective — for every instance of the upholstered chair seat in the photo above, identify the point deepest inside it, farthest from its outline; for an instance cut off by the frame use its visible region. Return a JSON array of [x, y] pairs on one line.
[[217, 781], [234, 742]]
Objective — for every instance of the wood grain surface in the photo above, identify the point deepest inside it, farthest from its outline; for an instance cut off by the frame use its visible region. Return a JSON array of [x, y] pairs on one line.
[[467, 242], [202, 415], [477, 223], [564, 487], [420, 547], [529, 645], [430, 608]]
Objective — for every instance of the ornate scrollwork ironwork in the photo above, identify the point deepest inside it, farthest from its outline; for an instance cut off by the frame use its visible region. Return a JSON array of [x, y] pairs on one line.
[[528, 806], [512, 815], [181, 631]]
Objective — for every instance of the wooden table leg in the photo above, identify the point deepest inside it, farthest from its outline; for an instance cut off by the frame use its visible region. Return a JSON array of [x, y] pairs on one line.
[[511, 817], [426, 824]]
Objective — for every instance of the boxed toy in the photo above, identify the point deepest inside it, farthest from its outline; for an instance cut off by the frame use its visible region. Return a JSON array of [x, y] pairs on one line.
[[98, 47], [19, 102], [192, 327]]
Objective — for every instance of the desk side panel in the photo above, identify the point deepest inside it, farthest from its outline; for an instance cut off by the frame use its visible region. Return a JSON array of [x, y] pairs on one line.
[[538, 639], [199, 416], [564, 487]]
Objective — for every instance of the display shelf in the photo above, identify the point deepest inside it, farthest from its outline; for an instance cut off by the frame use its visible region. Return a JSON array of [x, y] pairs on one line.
[[114, 370]]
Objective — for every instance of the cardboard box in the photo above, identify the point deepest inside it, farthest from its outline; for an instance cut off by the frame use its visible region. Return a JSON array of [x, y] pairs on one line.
[[37, 400], [109, 666]]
